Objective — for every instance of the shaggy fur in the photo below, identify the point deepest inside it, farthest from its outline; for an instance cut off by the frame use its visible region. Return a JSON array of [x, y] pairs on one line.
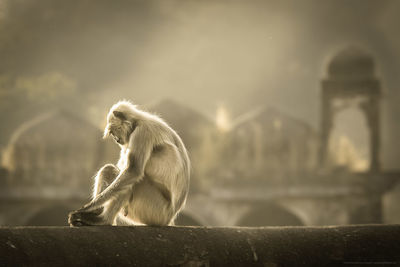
[[150, 183]]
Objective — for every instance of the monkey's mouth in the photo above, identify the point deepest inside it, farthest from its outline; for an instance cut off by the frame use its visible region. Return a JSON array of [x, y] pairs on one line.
[[118, 140]]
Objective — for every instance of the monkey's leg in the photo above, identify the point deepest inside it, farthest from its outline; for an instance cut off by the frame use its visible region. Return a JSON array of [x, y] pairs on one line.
[[102, 216], [151, 204], [116, 206], [103, 179]]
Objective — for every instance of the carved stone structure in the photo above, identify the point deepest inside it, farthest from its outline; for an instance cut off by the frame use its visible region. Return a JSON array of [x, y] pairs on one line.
[[55, 148], [263, 170], [268, 143], [50, 161], [350, 78]]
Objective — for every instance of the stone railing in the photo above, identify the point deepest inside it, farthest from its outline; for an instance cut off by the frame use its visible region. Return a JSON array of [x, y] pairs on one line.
[[359, 245]]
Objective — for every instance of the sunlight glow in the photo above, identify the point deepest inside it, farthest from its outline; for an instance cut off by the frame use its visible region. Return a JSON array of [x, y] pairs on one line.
[[222, 119]]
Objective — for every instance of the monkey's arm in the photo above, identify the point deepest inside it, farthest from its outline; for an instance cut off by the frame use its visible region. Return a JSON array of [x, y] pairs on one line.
[[140, 146]]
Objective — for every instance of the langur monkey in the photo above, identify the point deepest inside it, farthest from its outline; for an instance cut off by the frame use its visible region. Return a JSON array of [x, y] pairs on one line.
[[150, 183]]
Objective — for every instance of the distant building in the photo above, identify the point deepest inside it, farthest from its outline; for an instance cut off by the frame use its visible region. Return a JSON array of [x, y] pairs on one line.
[[50, 161], [267, 144], [276, 170], [350, 82], [263, 168]]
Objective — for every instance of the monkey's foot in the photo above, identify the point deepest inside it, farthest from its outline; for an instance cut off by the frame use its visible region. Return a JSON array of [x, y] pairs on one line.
[[88, 208], [82, 218]]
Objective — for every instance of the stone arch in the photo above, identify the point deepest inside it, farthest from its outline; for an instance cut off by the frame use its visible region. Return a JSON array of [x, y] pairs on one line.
[[269, 215], [57, 148], [349, 142], [351, 77], [56, 215]]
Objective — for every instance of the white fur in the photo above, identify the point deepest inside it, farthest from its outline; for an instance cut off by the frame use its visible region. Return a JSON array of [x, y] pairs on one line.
[[150, 183]]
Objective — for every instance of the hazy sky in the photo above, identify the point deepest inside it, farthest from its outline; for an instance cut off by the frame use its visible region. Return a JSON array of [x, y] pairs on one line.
[[204, 53]]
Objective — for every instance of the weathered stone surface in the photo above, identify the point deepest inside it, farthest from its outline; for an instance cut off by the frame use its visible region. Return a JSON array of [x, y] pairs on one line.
[[200, 246]]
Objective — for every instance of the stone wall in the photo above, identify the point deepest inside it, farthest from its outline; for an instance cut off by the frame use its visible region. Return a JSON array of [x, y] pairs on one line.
[[201, 246]]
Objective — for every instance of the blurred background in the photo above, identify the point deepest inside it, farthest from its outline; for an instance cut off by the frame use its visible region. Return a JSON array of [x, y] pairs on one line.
[[289, 109]]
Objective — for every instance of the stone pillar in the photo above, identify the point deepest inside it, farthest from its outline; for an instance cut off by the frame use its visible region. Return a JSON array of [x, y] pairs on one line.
[[371, 109], [326, 127], [375, 134]]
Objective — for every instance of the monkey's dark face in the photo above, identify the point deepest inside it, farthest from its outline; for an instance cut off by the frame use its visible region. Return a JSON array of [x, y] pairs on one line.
[[117, 138], [119, 132], [119, 128]]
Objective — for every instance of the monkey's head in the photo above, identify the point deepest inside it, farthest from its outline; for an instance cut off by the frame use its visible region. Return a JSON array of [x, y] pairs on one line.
[[120, 124]]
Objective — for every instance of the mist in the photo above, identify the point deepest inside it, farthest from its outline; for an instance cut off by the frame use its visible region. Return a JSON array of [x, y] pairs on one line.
[[237, 79], [207, 54]]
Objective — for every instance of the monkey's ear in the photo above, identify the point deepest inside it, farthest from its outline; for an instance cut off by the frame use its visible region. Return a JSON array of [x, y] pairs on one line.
[[119, 114]]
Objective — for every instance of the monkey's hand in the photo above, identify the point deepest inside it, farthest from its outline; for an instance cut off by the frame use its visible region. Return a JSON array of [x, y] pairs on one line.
[[86, 218]]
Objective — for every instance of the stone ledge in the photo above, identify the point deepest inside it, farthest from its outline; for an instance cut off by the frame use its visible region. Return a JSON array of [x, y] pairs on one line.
[[200, 246]]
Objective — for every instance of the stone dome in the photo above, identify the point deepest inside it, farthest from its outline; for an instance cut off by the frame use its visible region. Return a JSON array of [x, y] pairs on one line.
[[351, 63]]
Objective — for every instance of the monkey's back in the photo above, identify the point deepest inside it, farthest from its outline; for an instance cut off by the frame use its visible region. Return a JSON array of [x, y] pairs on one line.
[[185, 172], [169, 165]]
